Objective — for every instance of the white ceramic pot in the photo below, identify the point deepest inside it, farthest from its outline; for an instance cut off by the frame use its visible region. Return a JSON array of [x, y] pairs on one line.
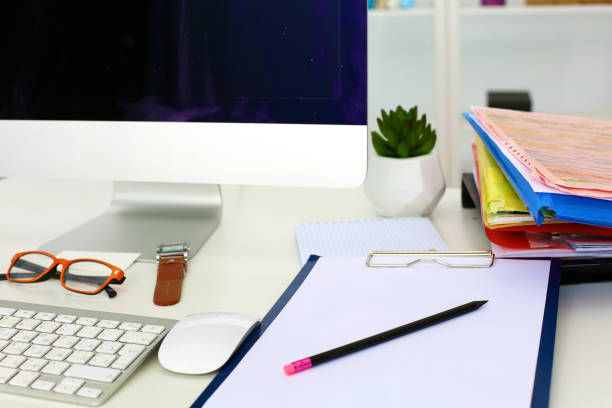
[[404, 187]]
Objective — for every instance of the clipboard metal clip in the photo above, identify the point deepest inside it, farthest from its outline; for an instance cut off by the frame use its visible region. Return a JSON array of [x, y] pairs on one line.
[[413, 257]]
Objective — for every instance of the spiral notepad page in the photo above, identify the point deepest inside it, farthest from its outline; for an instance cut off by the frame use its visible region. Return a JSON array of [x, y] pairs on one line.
[[358, 238]]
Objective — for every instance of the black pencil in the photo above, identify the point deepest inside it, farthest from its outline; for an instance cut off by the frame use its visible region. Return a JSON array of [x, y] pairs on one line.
[[306, 363]]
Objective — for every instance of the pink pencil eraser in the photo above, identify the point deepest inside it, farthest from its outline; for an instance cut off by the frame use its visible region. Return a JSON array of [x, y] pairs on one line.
[[297, 366], [289, 369]]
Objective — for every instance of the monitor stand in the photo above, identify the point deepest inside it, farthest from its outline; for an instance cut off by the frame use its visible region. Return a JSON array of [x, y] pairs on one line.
[[142, 215]]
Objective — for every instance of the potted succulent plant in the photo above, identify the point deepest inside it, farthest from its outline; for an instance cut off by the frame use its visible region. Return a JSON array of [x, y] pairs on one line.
[[404, 174]]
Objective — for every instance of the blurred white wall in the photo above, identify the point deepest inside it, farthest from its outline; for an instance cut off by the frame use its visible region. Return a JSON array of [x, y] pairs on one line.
[[561, 55]]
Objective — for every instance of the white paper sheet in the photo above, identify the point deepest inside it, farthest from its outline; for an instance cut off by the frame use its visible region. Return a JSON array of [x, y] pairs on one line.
[[486, 358], [358, 238]]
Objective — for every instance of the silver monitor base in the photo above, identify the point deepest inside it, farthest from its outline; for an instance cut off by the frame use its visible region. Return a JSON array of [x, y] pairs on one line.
[[142, 215]]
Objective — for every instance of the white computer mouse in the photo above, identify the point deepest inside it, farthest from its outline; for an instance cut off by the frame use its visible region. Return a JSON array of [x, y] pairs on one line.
[[202, 343]]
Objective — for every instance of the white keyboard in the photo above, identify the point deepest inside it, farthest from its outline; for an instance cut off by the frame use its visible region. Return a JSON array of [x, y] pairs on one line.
[[72, 355]]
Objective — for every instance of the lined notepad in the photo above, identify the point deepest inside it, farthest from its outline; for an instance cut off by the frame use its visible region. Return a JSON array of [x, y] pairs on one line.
[[358, 238]]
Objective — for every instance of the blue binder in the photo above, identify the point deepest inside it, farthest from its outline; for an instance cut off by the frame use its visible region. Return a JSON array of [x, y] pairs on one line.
[[565, 207], [541, 387]]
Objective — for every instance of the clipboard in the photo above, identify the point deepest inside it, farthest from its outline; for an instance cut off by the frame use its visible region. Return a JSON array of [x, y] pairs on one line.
[[541, 387]]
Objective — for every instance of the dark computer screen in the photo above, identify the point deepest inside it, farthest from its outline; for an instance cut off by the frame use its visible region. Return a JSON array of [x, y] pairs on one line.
[[253, 61]]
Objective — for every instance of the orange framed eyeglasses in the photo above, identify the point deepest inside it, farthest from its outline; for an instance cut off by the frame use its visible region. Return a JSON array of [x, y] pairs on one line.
[[87, 276]]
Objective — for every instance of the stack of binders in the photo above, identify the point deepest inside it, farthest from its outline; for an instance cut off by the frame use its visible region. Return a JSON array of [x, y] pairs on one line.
[[544, 183]]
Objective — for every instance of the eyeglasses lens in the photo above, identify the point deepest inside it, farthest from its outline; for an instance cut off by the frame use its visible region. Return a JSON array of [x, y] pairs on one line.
[[30, 266], [86, 276]]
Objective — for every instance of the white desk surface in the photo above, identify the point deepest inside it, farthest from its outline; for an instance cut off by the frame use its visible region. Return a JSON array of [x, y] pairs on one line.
[[248, 263]]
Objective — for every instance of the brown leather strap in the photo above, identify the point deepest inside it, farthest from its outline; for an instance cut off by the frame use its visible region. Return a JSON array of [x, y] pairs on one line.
[[170, 272]]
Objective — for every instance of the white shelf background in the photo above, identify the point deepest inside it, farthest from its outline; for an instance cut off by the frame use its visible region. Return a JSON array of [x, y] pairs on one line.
[[561, 54]]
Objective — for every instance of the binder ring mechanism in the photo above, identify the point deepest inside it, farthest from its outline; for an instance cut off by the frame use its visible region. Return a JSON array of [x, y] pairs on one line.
[[478, 259]]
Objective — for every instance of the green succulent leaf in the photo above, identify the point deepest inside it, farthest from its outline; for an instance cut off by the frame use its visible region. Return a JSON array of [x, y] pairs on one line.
[[402, 115], [396, 124], [381, 147], [406, 133], [403, 150], [392, 139], [426, 147], [385, 117], [413, 140], [413, 114], [408, 123], [420, 126]]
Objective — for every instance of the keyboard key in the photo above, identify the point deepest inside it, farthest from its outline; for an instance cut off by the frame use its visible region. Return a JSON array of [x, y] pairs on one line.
[[65, 318], [138, 338], [6, 311], [68, 386], [28, 324], [110, 334], [6, 374], [25, 336], [124, 360], [45, 339], [108, 324], [66, 341], [109, 347], [47, 327], [6, 334], [24, 313], [68, 329], [12, 361], [89, 392], [45, 316], [86, 321], [87, 344], [55, 367], [58, 354], [86, 372], [102, 360], [9, 321], [33, 364], [129, 326], [131, 348], [36, 351], [42, 385], [2, 355], [16, 348], [3, 344], [79, 357], [148, 328], [89, 332], [24, 378]]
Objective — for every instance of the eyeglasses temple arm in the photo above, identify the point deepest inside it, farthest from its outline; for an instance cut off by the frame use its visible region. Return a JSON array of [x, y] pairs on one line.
[[30, 266], [81, 278], [110, 291]]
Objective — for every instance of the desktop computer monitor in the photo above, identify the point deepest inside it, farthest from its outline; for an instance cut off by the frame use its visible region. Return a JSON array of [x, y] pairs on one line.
[[170, 98]]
